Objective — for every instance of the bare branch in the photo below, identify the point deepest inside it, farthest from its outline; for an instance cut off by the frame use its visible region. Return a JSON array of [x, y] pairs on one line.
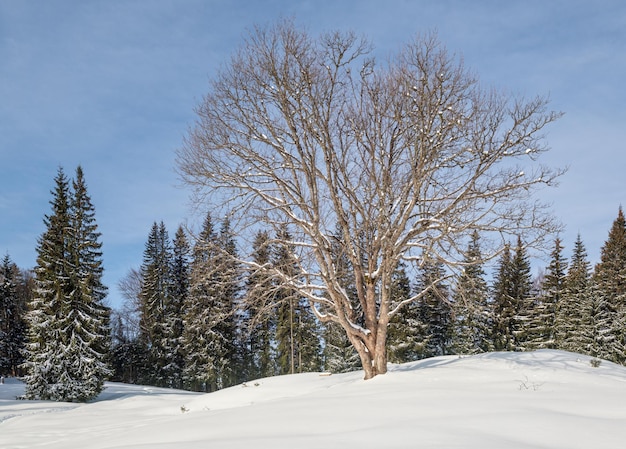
[[406, 160]]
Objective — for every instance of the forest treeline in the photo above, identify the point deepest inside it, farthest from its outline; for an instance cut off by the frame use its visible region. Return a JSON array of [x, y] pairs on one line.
[[195, 318]]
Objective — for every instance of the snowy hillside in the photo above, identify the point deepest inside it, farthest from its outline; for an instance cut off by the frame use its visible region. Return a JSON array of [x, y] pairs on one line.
[[544, 399]]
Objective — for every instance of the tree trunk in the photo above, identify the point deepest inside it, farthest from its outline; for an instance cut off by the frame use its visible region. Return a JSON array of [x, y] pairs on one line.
[[372, 352], [374, 364], [380, 356]]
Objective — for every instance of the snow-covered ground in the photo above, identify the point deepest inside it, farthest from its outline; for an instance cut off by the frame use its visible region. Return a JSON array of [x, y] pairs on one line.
[[543, 399]]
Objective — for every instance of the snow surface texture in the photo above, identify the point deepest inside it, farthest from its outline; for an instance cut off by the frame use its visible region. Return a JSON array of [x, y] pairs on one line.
[[542, 399]]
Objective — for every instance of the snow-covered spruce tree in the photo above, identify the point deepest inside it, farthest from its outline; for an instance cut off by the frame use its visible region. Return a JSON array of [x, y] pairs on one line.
[[298, 343], [600, 322], [52, 279], [552, 298], [610, 279], [68, 322], [160, 323], [504, 304], [156, 286], [88, 317], [407, 334], [200, 373], [472, 313], [522, 294], [573, 326], [435, 309], [408, 158], [309, 345], [209, 329], [339, 354], [12, 325], [229, 282], [259, 312], [513, 302], [541, 327], [286, 321], [173, 370]]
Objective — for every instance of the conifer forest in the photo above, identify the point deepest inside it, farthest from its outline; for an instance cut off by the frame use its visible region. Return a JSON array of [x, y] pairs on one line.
[[196, 319]]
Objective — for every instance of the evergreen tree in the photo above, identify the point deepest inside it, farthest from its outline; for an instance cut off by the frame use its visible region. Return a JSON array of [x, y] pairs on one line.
[[260, 319], [128, 357], [205, 344], [407, 334], [88, 316], [573, 326], [504, 305], [42, 361], [68, 322], [513, 302], [435, 309], [12, 325], [228, 282], [199, 372], [521, 294], [173, 370], [297, 333], [610, 279], [339, 353], [472, 315], [155, 294], [601, 333], [542, 327]]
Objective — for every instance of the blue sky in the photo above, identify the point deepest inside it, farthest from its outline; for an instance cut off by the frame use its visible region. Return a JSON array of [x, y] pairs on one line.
[[111, 85]]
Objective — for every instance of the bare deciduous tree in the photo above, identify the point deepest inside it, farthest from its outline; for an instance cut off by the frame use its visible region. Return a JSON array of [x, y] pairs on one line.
[[406, 159], [129, 315]]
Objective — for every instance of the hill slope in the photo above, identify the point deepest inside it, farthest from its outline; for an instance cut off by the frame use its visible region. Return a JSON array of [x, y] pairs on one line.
[[543, 399]]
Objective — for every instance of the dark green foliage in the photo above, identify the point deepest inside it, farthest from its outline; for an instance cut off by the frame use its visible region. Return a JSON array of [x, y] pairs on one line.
[[12, 312], [91, 316], [512, 300], [223, 336], [210, 340], [200, 372], [68, 322], [472, 313], [129, 362], [52, 279], [297, 332], [339, 353], [541, 326], [435, 309], [573, 326], [156, 288], [128, 358], [228, 282], [610, 282], [504, 308], [259, 321], [407, 334], [522, 296], [600, 325], [179, 290]]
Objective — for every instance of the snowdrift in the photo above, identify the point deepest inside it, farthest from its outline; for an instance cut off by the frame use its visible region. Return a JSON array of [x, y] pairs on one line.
[[542, 399]]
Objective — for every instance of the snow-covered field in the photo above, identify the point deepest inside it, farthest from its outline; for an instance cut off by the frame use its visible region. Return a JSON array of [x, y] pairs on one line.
[[543, 399]]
